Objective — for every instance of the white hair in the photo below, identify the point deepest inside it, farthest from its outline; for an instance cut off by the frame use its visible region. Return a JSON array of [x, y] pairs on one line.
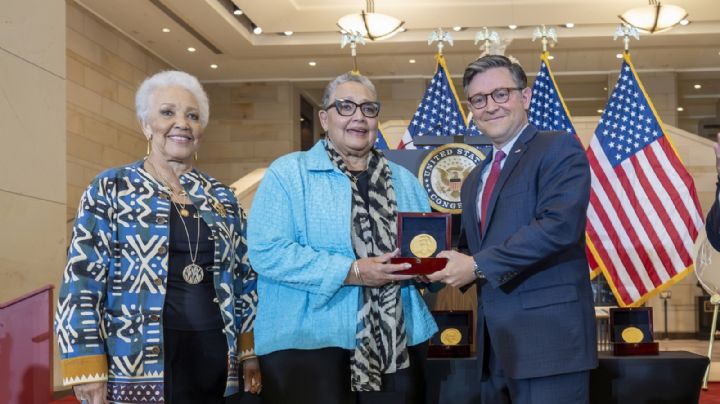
[[171, 78]]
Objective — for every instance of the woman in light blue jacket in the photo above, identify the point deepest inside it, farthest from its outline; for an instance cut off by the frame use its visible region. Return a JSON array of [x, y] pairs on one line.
[[335, 324]]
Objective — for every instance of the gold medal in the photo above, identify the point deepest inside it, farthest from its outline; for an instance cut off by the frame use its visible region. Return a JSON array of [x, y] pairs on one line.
[[184, 212], [423, 245], [632, 335], [450, 336]]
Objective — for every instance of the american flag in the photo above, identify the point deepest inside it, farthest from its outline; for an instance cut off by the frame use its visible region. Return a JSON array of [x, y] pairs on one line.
[[380, 142], [547, 108], [472, 129], [439, 112], [644, 214], [549, 112]]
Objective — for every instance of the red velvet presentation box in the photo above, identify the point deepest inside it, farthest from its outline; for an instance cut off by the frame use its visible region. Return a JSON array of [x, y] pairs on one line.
[[424, 234]]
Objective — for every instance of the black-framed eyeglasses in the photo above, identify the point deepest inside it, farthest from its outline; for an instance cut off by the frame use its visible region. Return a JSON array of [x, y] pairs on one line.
[[370, 109], [499, 95]]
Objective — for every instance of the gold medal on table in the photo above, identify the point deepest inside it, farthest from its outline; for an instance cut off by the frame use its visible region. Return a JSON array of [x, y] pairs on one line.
[[450, 336], [423, 245], [632, 335]]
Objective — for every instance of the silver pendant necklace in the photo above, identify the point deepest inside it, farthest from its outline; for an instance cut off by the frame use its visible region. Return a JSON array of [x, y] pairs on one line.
[[192, 273]]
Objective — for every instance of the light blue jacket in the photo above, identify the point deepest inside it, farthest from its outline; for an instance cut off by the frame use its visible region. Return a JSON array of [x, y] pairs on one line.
[[299, 244]]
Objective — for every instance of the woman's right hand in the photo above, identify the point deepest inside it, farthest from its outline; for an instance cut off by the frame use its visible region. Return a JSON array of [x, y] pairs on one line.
[[376, 271], [92, 393]]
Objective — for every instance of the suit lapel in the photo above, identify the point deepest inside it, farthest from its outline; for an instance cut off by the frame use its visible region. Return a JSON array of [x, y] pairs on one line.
[[511, 162]]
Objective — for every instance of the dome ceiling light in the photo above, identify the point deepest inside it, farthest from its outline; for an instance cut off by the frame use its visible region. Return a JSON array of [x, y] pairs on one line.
[[655, 17], [371, 25]]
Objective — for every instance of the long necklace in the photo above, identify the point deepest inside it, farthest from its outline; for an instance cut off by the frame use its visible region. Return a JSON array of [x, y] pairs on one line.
[[183, 211], [192, 273]]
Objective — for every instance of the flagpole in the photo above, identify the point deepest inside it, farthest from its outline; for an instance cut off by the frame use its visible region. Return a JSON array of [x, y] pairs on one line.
[[546, 35], [626, 31], [441, 37], [488, 38], [352, 38]]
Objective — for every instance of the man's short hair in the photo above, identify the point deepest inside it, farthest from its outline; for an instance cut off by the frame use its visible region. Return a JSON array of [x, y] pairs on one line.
[[488, 62]]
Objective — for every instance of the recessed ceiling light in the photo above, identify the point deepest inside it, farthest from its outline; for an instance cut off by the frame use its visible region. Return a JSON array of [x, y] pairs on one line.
[[403, 29], [551, 57], [191, 49], [684, 21], [569, 25], [288, 33], [600, 111], [312, 63], [213, 66], [457, 28], [512, 26], [680, 109], [257, 30], [166, 30], [619, 55], [411, 61], [697, 86], [604, 88], [237, 11]]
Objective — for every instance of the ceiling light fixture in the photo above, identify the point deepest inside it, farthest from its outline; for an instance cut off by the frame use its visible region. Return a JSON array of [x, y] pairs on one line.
[[373, 26], [288, 33], [551, 57], [166, 30], [512, 26], [411, 61], [697, 86], [680, 109], [257, 30], [655, 17], [312, 63], [191, 49], [619, 55], [569, 25], [237, 11], [457, 28], [600, 111], [684, 21], [213, 66]]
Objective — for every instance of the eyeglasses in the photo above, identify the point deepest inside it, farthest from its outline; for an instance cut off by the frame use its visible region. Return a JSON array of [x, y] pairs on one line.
[[347, 108], [499, 95]]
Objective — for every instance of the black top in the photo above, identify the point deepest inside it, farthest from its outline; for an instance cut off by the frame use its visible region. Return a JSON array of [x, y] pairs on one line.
[[190, 307], [363, 181]]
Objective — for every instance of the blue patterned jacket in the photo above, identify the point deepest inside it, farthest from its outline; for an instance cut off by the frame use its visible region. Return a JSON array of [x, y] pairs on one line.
[[299, 243], [109, 313]]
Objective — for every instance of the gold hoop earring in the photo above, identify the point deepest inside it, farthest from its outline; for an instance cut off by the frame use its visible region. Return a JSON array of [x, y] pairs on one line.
[[149, 147]]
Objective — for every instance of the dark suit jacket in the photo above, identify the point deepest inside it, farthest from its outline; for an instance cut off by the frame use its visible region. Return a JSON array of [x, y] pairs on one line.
[[537, 301], [712, 223]]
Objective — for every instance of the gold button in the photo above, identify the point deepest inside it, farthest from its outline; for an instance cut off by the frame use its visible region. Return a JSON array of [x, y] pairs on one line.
[[161, 220], [164, 196], [162, 250], [158, 281], [154, 317], [155, 350]]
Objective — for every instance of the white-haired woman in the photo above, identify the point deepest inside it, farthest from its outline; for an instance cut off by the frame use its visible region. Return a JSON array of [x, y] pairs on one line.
[[157, 299]]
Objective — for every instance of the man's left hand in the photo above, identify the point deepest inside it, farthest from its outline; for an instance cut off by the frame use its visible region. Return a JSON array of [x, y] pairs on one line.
[[459, 270], [251, 375]]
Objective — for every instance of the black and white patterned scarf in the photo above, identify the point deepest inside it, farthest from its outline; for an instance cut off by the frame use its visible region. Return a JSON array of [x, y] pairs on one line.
[[381, 338]]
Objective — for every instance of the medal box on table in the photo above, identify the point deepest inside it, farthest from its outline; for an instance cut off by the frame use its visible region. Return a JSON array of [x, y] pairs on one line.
[[455, 334], [631, 331], [420, 237]]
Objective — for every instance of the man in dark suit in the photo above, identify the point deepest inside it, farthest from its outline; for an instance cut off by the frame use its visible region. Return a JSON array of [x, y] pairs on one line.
[[712, 224], [524, 218]]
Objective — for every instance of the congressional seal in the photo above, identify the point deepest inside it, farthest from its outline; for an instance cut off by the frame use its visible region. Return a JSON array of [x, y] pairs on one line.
[[443, 172]]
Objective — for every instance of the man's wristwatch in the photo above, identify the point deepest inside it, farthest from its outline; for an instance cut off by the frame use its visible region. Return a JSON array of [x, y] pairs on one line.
[[478, 273]]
